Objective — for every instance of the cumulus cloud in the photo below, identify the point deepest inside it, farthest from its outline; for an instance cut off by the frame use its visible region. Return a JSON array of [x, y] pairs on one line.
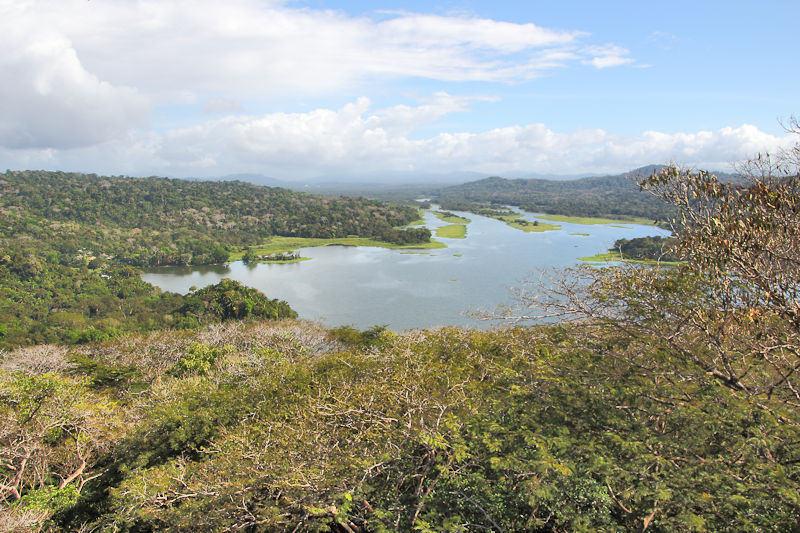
[[79, 73], [355, 137], [49, 99], [359, 140], [436, 30], [256, 46], [80, 80]]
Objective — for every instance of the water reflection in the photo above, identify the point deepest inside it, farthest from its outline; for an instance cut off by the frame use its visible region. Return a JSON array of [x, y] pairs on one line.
[[202, 270]]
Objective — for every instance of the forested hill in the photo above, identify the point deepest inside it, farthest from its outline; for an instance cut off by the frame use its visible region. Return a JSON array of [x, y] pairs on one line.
[[158, 221], [605, 196], [69, 245]]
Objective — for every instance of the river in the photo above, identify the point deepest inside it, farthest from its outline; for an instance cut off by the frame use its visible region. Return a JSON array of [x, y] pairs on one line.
[[406, 289]]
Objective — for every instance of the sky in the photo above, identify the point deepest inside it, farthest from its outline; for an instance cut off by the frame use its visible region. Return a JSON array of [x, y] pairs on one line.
[[388, 90]]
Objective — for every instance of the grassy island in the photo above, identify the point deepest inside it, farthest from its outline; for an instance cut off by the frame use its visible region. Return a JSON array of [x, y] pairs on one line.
[[452, 231], [613, 256], [287, 244], [281, 257], [516, 221], [451, 218], [644, 250], [598, 220], [284, 261]]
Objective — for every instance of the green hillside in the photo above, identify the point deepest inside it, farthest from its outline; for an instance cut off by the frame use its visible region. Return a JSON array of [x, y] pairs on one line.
[[159, 221], [70, 245], [615, 197]]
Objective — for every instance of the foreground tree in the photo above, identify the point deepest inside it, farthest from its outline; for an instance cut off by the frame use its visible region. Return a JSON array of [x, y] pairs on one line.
[[52, 429], [731, 310], [714, 342]]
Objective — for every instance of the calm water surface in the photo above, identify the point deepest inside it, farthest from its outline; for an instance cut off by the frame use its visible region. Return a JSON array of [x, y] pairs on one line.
[[403, 289]]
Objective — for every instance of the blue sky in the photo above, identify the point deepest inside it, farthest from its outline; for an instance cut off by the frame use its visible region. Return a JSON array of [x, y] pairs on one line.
[[299, 90]]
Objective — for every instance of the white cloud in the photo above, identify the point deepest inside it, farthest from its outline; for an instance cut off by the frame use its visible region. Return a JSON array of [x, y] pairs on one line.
[[358, 140], [77, 73], [606, 56], [436, 31], [80, 80], [250, 46], [48, 98]]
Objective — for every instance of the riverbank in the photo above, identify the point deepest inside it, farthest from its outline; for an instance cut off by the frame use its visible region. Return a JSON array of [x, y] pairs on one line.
[[281, 261], [613, 256], [598, 220], [287, 244], [517, 222], [456, 228], [451, 218]]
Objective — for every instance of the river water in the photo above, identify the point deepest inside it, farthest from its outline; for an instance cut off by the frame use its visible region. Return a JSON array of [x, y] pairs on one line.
[[405, 289]]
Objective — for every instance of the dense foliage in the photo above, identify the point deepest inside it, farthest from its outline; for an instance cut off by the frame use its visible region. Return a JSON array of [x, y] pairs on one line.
[[282, 427], [46, 302], [159, 221], [610, 196], [229, 300], [648, 248], [725, 319], [70, 245]]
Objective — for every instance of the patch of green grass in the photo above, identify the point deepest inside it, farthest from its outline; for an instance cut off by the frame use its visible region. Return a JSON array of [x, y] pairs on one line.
[[453, 231], [287, 244], [516, 221], [615, 257], [456, 255], [540, 227], [598, 220], [452, 219], [507, 218], [580, 234], [602, 258]]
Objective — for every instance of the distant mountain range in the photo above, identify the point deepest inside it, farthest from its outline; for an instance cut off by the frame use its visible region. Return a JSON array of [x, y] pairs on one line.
[[363, 183], [616, 196]]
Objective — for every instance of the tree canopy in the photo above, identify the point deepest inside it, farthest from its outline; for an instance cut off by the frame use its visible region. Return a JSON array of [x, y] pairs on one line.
[[608, 196], [159, 221], [70, 246]]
